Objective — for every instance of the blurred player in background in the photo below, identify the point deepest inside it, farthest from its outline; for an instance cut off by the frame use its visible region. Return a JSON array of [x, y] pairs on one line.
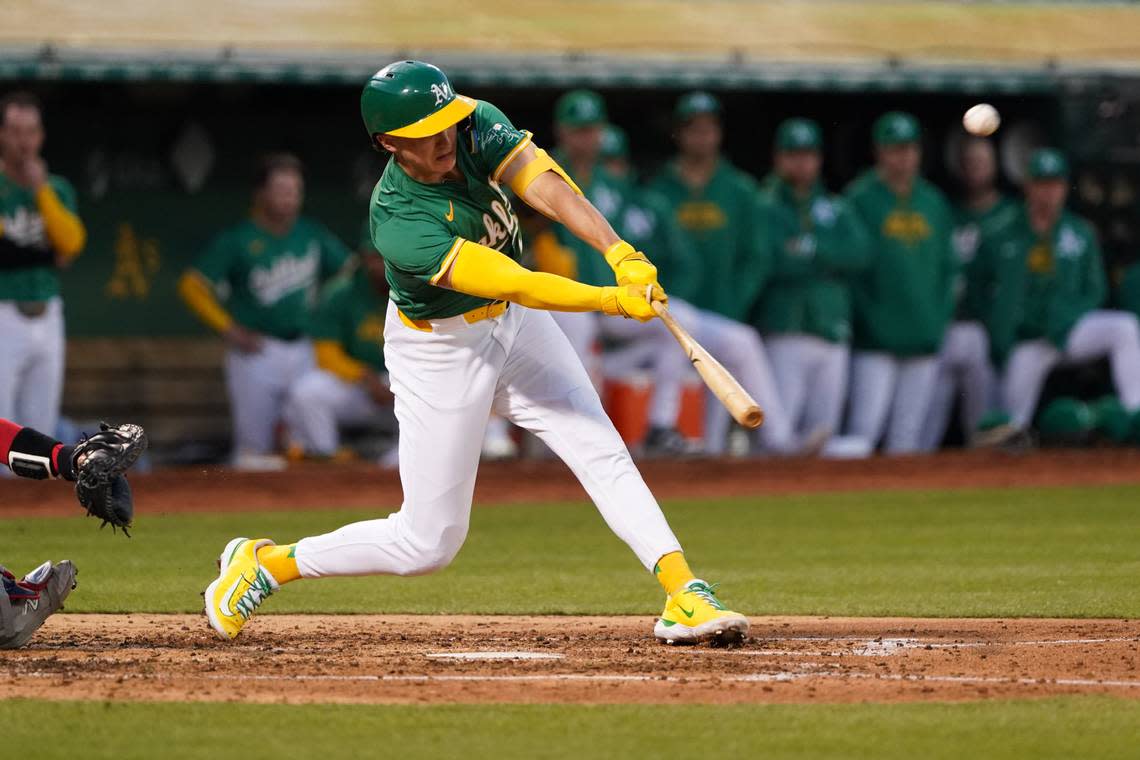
[[580, 123], [1049, 285], [904, 300], [615, 153], [256, 285], [40, 234], [721, 218], [349, 384], [965, 369], [805, 313]]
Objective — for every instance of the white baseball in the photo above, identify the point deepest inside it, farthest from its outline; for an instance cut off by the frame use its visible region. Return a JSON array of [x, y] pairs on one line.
[[981, 120]]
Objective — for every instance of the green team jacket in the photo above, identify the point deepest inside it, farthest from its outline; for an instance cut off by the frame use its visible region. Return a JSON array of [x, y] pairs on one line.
[[904, 299], [608, 195], [820, 244], [270, 284], [648, 225], [351, 312], [27, 261], [971, 229], [1041, 285], [726, 224]]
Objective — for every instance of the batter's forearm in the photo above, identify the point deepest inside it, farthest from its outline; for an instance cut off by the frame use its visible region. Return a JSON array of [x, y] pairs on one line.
[[553, 197], [484, 272]]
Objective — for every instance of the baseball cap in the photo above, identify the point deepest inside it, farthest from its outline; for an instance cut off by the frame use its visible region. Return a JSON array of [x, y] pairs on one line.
[[1048, 163], [798, 134], [695, 104], [896, 128], [615, 143], [580, 108]]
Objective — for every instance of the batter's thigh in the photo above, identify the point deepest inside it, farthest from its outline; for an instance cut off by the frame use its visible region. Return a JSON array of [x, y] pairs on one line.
[[545, 389]]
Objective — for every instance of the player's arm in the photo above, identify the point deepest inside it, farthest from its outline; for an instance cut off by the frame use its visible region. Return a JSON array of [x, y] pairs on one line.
[[64, 229], [484, 272], [546, 187], [197, 292]]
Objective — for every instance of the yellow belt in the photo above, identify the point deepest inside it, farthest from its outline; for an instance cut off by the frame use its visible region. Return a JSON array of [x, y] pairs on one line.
[[491, 310]]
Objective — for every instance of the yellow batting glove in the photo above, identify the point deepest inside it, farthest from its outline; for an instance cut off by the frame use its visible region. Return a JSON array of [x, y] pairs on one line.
[[632, 301], [631, 267]]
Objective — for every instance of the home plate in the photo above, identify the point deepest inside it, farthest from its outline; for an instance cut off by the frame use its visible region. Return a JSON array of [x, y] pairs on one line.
[[493, 656]]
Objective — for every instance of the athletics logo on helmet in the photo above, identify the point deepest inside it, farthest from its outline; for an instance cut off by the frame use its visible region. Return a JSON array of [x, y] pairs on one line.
[[411, 99]]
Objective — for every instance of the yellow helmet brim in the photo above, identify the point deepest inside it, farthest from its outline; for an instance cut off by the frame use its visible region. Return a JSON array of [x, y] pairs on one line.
[[452, 113]]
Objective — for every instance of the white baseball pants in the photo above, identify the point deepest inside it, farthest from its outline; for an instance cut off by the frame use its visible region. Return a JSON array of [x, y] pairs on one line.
[[258, 385], [447, 382], [963, 368], [889, 399], [319, 403], [1115, 334], [32, 353], [811, 376]]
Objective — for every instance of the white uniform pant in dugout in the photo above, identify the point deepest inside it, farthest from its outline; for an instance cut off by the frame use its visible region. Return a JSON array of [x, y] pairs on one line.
[[811, 374], [965, 372], [447, 382], [1098, 334], [320, 403], [31, 365], [258, 384], [890, 396]]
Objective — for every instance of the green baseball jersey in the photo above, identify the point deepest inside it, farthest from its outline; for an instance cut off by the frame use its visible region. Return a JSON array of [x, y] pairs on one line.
[[27, 261], [971, 228], [269, 283], [1041, 284], [904, 299], [351, 312], [416, 226], [724, 222], [649, 225], [820, 245], [607, 193]]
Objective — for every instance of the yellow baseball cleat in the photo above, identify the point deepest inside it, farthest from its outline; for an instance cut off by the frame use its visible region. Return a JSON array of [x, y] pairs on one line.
[[694, 614], [240, 588]]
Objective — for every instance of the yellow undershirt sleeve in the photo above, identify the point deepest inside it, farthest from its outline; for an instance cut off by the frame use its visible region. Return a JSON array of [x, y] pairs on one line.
[[484, 272], [542, 162], [66, 233], [332, 358], [196, 291], [552, 257]]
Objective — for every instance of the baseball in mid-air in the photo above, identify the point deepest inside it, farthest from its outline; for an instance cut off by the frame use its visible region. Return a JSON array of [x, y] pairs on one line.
[[981, 120]]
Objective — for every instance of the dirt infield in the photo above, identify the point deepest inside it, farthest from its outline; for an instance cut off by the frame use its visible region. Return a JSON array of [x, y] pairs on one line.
[[415, 659], [339, 486]]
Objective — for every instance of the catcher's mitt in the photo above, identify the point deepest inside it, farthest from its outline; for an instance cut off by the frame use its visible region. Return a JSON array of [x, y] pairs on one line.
[[98, 463]]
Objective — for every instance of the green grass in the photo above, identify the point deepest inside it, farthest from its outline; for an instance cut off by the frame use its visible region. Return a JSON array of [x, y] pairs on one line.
[[1098, 727], [1068, 552]]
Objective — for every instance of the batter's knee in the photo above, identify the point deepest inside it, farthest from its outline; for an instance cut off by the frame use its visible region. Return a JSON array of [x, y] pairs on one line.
[[427, 554]]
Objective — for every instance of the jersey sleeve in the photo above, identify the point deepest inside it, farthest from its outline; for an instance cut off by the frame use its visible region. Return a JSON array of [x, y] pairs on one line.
[[495, 140], [216, 262], [334, 253], [417, 246], [325, 323], [66, 193]]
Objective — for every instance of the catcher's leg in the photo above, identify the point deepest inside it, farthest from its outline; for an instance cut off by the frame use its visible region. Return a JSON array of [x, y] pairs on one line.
[[26, 603]]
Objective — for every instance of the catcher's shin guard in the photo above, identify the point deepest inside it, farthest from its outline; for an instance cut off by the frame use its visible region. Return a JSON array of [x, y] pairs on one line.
[[26, 603]]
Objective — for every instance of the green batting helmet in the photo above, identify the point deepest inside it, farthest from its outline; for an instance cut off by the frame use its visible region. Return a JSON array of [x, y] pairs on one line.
[[411, 99]]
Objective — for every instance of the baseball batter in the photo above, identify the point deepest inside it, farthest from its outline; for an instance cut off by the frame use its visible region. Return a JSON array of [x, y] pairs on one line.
[[40, 234], [805, 314], [256, 285], [904, 300], [720, 216], [965, 369], [1049, 285], [468, 330]]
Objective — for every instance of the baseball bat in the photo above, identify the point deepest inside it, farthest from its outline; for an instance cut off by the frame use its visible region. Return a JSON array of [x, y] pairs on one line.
[[720, 381]]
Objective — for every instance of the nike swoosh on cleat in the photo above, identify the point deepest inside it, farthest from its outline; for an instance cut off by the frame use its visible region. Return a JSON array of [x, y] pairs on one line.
[[228, 598], [688, 613]]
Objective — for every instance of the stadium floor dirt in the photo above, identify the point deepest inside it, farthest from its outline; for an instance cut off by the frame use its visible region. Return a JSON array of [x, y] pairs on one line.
[[420, 659], [315, 486]]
